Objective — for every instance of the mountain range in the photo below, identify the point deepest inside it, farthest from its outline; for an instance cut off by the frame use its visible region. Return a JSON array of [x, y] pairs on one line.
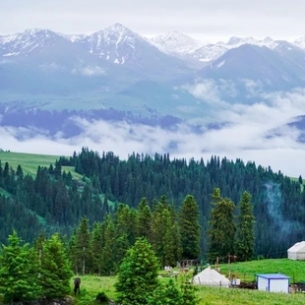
[[119, 68]]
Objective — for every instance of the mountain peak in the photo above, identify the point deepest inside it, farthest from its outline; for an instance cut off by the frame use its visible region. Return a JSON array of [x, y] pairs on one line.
[[117, 28], [119, 32], [241, 40], [268, 39], [175, 36], [176, 42], [28, 41], [300, 42]]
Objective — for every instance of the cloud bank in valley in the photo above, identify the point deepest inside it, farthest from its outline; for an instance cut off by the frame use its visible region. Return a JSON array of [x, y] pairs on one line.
[[257, 132]]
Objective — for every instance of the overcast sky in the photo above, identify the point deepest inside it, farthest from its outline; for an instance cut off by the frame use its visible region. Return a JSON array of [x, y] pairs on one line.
[[207, 20]]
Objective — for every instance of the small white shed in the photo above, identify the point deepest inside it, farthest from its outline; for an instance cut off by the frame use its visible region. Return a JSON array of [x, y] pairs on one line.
[[297, 251], [276, 282]]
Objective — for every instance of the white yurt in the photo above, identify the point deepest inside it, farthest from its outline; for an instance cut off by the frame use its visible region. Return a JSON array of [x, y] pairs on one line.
[[297, 251], [210, 277]]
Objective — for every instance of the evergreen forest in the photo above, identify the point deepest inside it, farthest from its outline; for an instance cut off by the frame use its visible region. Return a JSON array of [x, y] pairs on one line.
[[171, 202]]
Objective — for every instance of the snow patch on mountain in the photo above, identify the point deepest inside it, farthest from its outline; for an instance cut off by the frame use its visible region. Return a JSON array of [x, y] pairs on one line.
[[26, 42], [300, 42], [176, 42], [181, 45], [115, 43]]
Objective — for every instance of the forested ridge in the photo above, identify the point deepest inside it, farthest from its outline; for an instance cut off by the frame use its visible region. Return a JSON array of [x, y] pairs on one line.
[[53, 201]]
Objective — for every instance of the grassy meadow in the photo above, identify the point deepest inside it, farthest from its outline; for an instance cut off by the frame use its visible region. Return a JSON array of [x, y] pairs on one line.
[[92, 285], [30, 162], [246, 271]]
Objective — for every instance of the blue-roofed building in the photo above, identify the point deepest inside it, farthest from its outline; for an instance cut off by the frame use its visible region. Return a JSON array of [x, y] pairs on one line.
[[274, 282]]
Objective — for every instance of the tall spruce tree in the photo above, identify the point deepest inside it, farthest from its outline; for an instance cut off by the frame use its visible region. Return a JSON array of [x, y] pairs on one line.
[[245, 229], [96, 248], [109, 235], [138, 275], [190, 228], [166, 294], [172, 248], [55, 269], [144, 220], [158, 229], [18, 271], [81, 249], [222, 228]]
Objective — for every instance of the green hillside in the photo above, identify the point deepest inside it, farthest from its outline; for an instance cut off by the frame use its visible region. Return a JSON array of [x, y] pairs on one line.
[[92, 285], [28, 162], [247, 271]]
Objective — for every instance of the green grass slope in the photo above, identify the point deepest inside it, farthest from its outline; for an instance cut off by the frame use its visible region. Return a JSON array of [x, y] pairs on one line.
[[30, 162], [92, 285], [247, 271]]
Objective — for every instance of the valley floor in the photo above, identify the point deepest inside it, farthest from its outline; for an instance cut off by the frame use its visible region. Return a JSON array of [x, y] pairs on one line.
[[92, 285]]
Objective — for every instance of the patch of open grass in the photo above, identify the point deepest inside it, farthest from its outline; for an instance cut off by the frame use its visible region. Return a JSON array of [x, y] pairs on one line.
[[230, 296], [91, 285], [247, 271], [30, 162]]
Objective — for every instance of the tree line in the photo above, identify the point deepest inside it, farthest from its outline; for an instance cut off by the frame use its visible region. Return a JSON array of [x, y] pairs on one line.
[[174, 235], [278, 201], [132, 242], [43, 272], [30, 273], [52, 201]]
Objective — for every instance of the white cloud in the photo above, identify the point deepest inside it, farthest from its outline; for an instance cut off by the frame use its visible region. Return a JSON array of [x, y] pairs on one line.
[[253, 133]]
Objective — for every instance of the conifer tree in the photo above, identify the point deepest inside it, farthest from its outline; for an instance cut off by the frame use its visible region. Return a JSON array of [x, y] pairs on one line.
[[55, 269], [71, 252], [96, 247], [18, 272], [190, 228], [39, 241], [108, 264], [158, 230], [172, 248], [222, 228], [166, 294], [189, 296], [121, 245], [138, 275], [245, 229], [144, 219], [82, 246]]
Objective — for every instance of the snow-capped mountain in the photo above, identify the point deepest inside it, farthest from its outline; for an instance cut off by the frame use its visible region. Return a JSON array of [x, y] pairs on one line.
[[261, 66], [300, 42], [116, 65], [115, 43], [185, 47], [121, 46], [29, 41], [176, 43]]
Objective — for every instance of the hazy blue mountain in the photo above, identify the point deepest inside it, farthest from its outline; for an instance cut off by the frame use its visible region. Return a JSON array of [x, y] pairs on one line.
[[292, 52], [271, 69], [44, 62], [118, 68], [119, 45]]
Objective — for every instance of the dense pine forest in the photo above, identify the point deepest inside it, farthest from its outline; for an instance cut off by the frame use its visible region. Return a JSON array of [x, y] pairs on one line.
[[52, 201]]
